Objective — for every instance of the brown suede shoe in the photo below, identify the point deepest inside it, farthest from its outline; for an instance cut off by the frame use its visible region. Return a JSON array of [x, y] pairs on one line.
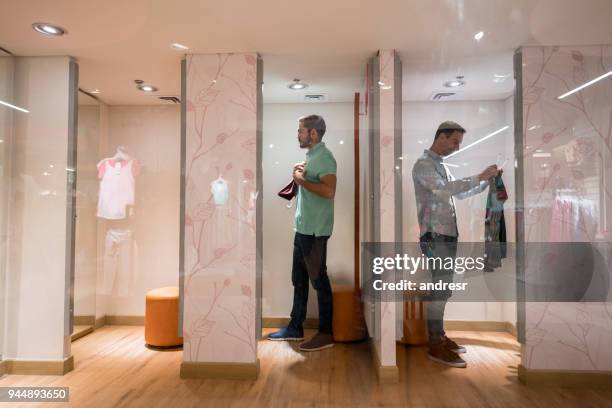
[[319, 341], [442, 355], [452, 346]]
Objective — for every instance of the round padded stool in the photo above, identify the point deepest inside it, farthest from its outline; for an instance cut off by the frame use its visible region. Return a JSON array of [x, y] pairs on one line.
[[162, 317], [348, 321], [415, 323]]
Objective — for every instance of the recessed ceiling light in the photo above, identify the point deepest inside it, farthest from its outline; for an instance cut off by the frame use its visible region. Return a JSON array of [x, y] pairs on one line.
[[93, 91], [296, 85], [455, 82], [48, 29], [384, 86], [478, 36], [500, 78], [147, 88], [179, 47]]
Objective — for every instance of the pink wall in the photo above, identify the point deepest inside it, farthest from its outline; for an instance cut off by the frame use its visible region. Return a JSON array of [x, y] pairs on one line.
[[387, 170], [220, 233], [575, 131]]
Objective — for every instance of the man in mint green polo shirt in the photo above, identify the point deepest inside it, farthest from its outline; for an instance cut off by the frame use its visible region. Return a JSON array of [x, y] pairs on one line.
[[314, 221]]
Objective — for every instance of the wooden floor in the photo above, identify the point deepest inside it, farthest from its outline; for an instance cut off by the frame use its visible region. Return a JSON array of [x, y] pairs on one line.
[[114, 369]]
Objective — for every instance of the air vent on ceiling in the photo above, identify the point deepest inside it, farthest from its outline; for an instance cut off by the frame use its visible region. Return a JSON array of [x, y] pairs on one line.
[[172, 99], [437, 96], [314, 98]]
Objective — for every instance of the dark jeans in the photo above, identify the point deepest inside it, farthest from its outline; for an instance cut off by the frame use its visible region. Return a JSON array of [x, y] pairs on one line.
[[310, 263], [442, 246]]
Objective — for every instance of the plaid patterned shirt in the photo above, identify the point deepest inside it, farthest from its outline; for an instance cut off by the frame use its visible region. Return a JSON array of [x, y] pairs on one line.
[[435, 189]]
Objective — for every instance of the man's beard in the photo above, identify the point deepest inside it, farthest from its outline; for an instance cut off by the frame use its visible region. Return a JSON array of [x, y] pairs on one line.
[[306, 143]]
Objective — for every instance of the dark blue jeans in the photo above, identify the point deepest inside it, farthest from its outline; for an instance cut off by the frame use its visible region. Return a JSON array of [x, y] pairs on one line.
[[310, 263], [438, 246]]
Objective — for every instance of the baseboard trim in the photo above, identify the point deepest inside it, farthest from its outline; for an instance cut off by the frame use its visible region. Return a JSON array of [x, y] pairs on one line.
[[277, 322], [77, 335], [42, 367], [479, 325], [111, 320], [100, 322], [511, 328], [232, 371], [564, 378], [385, 374], [81, 333], [84, 320]]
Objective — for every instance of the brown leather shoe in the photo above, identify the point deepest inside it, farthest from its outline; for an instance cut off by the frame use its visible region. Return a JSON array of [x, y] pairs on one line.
[[440, 354], [452, 346], [319, 341]]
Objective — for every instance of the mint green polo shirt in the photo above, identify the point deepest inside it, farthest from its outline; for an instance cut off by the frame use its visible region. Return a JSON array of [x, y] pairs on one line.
[[314, 215]]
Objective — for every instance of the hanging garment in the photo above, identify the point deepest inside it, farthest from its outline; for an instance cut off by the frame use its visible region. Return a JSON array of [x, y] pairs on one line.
[[220, 191], [119, 263], [117, 184], [495, 225], [572, 219]]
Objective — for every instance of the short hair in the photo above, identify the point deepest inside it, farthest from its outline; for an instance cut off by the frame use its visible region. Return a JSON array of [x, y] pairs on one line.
[[448, 127], [447, 132], [315, 122]]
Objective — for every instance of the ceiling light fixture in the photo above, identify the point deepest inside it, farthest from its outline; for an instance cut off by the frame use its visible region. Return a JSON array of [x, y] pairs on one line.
[[296, 85], [14, 107], [94, 91], [455, 82], [48, 29], [478, 36], [147, 88], [179, 47], [591, 82], [384, 86], [500, 78], [498, 131]]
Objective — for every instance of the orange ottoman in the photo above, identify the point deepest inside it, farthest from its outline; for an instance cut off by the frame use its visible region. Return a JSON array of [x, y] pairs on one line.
[[162, 317], [347, 320]]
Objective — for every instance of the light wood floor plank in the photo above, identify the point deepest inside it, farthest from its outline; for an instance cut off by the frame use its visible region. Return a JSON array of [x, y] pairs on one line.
[[113, 368]]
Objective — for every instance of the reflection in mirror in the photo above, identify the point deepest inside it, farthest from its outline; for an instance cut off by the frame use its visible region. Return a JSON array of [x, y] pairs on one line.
[[86, 222], [478, 94]]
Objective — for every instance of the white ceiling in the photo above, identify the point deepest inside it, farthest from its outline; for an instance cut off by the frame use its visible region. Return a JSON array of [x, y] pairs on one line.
[[325, 43]]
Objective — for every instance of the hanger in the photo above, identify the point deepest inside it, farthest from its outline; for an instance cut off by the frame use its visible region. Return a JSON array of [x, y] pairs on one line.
[[121, 155]]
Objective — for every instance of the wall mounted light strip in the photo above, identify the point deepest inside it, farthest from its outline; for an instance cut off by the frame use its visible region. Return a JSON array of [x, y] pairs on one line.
[[591, 82], [478, 141], [14, 107]]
